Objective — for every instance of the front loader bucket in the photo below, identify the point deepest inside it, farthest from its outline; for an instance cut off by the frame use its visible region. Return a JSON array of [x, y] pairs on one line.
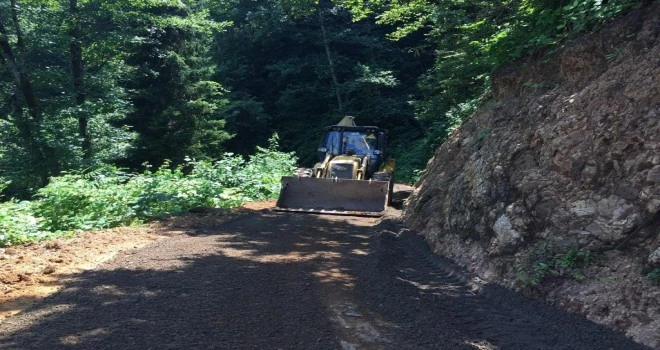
[[333, 196]]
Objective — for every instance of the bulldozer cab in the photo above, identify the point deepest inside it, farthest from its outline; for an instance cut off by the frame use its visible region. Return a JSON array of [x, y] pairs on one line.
[[363, 141]]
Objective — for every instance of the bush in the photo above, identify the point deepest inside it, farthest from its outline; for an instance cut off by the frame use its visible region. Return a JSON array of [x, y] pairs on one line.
[[18, 224], [654, 275], [546, 259], [108, 196], [83, 201]]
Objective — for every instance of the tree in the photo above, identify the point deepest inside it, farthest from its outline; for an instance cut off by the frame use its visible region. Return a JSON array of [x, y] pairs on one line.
[[26, 124], [299, 66], [45, 131], [77, 76], [177, 104]]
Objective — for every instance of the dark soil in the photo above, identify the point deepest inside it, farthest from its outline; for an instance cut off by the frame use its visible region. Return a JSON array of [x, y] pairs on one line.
[[268, 280]]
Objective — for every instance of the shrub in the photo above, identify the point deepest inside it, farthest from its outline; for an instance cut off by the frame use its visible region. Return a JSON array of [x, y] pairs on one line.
[[654, 275], [77, 201], [545, 260], [18, 224], [109, 196]]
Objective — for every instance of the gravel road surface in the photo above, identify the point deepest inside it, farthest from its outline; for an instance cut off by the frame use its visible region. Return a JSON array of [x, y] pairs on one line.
[[269, 280]]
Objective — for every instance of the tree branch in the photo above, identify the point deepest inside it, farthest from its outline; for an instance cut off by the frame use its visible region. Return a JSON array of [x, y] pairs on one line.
[[20, 42]]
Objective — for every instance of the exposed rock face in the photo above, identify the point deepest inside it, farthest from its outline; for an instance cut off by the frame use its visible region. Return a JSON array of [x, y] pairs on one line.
[[567, 154]]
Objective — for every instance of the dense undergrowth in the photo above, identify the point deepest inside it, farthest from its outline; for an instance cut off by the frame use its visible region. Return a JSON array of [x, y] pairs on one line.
[[108, 196]]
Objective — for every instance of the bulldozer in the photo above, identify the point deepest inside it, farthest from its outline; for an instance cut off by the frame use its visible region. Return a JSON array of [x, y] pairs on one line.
[[353, 175]]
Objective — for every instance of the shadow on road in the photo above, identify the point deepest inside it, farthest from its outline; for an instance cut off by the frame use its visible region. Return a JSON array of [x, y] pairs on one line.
[[252, 283], [284, 281]]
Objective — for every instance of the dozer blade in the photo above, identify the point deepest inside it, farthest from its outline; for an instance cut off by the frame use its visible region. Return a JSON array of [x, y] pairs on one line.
[[333, 196]]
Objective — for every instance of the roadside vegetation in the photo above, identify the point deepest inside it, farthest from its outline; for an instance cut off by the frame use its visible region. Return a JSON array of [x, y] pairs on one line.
[[654, 275], [110, 196], [547, 260]]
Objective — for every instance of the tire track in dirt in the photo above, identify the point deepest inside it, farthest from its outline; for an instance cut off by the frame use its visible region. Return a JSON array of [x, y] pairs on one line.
[[480, 316]]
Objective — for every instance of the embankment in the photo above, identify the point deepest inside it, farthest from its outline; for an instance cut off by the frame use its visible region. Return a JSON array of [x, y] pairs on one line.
[[553, 187]]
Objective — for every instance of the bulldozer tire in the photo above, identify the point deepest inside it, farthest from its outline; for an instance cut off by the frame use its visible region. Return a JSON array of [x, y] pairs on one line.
[[303, 172], [381, 176]]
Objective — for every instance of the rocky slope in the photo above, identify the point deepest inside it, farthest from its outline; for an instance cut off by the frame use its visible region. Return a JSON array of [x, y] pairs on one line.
[[553, 187]]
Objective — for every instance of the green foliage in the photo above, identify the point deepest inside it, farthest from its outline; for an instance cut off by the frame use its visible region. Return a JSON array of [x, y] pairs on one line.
[[654, 275], [411, 157], [3, 184], [177, 105], [83, 201], [548, 260], [109, 196], [146, 91], [260, 177], [537, 24], [18, 224], [274, 62], [166, 80], [469, 40], [614, 54]]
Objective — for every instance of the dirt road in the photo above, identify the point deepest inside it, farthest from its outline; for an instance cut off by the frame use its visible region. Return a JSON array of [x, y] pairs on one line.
[[268, 280]]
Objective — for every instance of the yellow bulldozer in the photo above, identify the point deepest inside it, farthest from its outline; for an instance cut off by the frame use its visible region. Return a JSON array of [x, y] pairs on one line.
[[354, 175]]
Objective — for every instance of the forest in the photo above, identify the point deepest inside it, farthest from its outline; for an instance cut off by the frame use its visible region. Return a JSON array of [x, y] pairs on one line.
[[118, 111]]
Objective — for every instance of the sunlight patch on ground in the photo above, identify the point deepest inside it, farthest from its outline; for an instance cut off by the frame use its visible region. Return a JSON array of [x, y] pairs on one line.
[[334, 275], [30, 296], [353, 220], [359, 252], [227, 250], [434, 287], [30, 273], [237, 250], [83, 337], [46, 312], [481, 345], [358, 329]]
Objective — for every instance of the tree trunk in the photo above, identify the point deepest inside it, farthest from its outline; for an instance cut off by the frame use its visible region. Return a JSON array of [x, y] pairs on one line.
[[27, 127], [328, 54], [20, 77], [77, 73], [20, 42]]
